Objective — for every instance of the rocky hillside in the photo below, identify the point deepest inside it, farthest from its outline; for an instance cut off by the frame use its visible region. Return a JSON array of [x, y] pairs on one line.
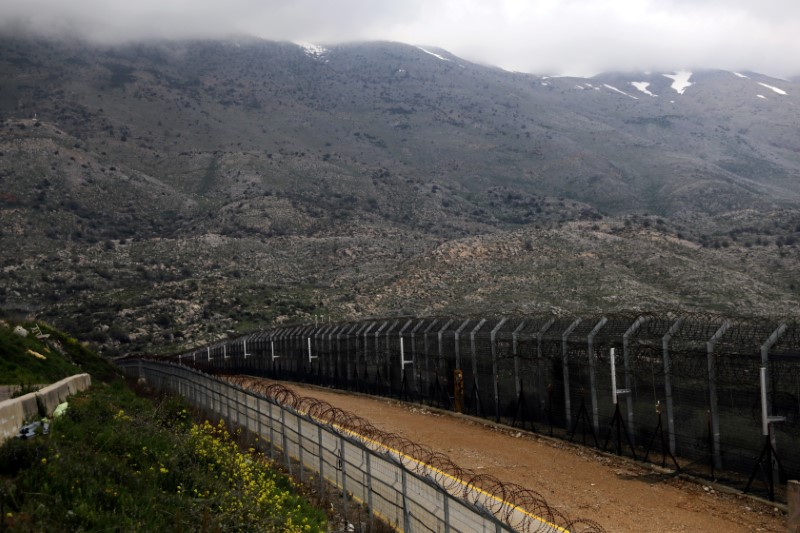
[[157, 194]]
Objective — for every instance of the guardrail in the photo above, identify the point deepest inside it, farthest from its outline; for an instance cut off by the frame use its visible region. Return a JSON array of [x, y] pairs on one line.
[[406, 485]]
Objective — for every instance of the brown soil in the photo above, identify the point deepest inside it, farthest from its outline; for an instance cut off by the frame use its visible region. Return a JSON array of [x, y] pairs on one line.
[[621, 495]]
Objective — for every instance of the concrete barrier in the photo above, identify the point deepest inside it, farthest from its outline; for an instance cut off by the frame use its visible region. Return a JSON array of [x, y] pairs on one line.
[[14, 412], [793, 499]]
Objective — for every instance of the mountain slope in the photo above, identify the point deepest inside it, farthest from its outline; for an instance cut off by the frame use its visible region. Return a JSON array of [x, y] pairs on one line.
[[160, 193]]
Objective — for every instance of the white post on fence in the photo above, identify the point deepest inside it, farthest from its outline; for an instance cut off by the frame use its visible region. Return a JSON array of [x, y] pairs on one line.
[[615, 392], [244, 348], [208, 352], [403, 360], [310, 357]]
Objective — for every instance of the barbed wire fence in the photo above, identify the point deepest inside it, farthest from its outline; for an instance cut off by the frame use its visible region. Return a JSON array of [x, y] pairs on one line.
[[412, 487], [682, 388]]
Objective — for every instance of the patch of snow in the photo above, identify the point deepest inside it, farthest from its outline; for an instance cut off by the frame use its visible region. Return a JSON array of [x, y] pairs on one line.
[[761, 96], [738, 75], [642, 86], [680, 80], [312, 50], [779, 91], [607, 86], [433, 54], [545, 84], [580, 87]]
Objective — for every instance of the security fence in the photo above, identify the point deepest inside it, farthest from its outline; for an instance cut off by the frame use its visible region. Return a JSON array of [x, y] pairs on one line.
[[687, 387], [410, 487]]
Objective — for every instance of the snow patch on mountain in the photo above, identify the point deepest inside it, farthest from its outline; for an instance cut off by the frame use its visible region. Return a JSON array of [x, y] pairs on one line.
[[739, 75], [680, 80], [775, 89], [761, 96], [607, 86], [312, 50], [433, 54], [642, 86]]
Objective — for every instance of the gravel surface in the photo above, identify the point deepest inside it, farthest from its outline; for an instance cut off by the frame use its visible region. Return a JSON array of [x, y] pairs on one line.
[[621, 495]]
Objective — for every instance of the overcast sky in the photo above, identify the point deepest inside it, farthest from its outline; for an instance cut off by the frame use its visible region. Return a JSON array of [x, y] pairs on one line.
[[580, 37]]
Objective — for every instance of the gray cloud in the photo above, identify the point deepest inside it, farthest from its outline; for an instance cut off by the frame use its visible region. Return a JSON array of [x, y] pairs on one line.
[[545, 36]]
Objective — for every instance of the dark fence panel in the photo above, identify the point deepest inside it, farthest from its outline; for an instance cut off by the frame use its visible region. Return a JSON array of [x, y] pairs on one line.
[[688, 388]]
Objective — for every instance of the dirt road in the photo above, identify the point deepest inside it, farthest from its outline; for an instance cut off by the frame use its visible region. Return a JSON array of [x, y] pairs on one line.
[[621, 496]]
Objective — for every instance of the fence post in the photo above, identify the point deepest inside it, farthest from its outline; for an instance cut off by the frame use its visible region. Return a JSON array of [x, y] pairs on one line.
[[626, 358], [406, 511], [333, 363], [495, 377], [765, 363], [338, 371], [676, 326], [712, 391], [793, 498], [565, 370], [441, 345], [515, 353], [417, 372], [458, 344], [300, 445], [321, 462], [366, 344], [343, 466], [543, 394], [475, 389], [446, 511], [388, 356], [285, 439], [426, 349], [271, 432], [592, 377], [369, 489]]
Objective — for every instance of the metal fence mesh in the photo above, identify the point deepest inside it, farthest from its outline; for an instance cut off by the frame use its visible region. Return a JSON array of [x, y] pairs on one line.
[[687, 384], [407, 485]]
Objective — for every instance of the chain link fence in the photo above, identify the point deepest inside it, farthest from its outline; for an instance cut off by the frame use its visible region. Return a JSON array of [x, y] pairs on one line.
[[681, 388], [410, 487]]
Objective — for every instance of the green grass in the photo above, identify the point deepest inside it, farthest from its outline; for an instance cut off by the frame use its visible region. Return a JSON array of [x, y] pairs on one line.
[[63, 356], [120, 462]]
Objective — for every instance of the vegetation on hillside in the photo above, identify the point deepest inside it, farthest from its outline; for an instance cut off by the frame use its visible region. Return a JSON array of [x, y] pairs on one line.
[[45, 358], [123, 459], [120, 462], [160, 196]]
